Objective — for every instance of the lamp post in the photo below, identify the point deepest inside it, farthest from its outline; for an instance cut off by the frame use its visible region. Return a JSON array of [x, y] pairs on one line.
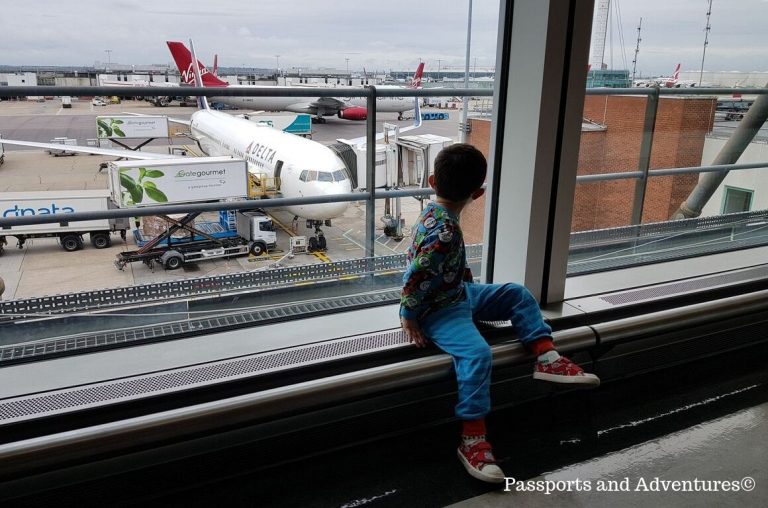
[[465, 101], [109, 59], [277, 65]]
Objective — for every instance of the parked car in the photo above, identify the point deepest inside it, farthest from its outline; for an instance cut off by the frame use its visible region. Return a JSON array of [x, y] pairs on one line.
[[98, 102]]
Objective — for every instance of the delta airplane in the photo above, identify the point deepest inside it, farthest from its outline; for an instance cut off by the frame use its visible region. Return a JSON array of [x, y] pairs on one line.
[[305, 168], [351, 108]]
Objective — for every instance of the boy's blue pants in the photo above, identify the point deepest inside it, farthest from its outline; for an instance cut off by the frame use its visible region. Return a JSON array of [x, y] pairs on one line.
[[453, 330]]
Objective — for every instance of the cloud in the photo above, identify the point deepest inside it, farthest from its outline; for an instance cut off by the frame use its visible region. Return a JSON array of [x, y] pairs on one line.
[[389, 34]]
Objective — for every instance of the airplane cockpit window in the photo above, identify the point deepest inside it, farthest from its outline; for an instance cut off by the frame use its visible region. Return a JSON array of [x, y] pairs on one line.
[[312, 176], [303, 176], [325, 177], [339, 175]]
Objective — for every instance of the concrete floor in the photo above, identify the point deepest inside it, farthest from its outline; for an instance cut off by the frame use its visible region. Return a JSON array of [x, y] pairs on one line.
[[731, 450]]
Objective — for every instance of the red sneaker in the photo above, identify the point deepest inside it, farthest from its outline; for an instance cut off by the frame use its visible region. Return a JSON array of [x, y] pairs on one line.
[[479, 462], [565, 371]]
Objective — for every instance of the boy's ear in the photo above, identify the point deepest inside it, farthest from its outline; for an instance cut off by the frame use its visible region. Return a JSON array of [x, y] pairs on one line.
[[431, 181], [478, 193]]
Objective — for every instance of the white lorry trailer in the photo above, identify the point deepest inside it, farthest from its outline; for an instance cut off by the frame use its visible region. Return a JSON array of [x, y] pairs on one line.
[[177, 181], [61, 203]]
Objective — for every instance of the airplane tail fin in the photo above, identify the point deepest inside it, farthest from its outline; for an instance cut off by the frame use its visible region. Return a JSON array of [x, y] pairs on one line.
[[672, 81], [202, 102], [416, 81], [183, 59]]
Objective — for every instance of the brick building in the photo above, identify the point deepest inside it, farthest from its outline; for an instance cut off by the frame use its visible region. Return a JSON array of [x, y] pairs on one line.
[[610, 143]]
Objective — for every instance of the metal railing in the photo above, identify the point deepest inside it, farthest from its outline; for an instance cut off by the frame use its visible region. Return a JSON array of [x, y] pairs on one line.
[[371, 93], [651, 109]]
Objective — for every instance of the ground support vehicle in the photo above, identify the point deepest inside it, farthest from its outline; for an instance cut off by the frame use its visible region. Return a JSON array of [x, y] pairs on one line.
[[236, 234], [70, 234]]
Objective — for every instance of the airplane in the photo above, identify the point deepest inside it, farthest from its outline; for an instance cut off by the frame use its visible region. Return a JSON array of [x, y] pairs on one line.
[[305, 168], [672, 81], [347, 108]]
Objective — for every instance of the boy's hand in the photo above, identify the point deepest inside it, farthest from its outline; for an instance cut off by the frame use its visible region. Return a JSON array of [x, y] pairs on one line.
[[413, 332]]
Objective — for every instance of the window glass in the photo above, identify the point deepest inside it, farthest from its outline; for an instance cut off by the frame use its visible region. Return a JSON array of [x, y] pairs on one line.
[[622, 219], [326, 243], [737, 200]]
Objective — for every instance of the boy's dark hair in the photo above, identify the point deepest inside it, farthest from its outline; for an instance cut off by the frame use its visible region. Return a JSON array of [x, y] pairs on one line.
[[459, 171]]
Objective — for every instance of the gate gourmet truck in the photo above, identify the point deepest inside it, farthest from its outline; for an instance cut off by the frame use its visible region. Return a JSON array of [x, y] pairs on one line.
[[235, 234], [165, 182], [60, 203]]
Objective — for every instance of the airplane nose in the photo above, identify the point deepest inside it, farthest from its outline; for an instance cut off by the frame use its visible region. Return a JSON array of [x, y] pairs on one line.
[[323, 211]]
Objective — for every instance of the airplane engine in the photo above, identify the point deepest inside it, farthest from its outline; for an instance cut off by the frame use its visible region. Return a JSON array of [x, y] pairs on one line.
[[354, 113]]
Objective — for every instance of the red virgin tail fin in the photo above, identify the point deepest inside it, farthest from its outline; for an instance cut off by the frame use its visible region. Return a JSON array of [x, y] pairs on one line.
[[672, 82], [416, 81], [183, 59]]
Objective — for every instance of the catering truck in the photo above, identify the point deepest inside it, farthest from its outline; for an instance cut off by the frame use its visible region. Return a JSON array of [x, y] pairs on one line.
[[237, 233], [60, 203], [136, 184], [177, 181]]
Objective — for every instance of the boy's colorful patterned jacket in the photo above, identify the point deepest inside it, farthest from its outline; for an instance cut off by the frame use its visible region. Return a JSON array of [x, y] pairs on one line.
[[437, 262]]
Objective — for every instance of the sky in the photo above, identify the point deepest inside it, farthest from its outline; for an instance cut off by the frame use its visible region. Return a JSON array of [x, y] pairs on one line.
[[395, 34]]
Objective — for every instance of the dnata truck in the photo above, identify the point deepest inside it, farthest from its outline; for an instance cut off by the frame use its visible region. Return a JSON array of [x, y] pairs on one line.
[[136, 184], [61, 203]]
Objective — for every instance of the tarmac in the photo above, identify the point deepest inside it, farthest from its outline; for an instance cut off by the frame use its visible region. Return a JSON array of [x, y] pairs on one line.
[[43, 268]]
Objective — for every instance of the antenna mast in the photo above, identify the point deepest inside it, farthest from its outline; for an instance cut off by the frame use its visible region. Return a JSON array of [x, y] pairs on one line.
[[706, 41], [599, 32], [637, 50]]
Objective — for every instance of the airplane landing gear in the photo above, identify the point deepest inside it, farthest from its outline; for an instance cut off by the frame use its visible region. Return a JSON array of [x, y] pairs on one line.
[[317, 243], [318, 119]]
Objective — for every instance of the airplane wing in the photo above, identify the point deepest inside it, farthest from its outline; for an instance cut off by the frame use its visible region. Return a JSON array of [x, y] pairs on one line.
[[322, 106], [113, 152], [329, 103]]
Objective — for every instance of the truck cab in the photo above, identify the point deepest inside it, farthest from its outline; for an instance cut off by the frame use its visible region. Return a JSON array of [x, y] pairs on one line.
[[257, 228]]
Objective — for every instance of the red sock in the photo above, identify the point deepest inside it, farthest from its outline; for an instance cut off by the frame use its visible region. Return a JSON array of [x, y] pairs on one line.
[[540, 346], [473, 427]]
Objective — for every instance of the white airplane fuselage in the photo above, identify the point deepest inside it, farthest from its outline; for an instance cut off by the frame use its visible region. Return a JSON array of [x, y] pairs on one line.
[[306, 168], [302, 104]]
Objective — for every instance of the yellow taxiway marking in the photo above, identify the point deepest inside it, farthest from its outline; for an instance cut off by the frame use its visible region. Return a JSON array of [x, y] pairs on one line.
[[322, 257]]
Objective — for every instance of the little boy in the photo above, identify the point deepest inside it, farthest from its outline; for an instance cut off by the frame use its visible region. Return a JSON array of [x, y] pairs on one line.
[[439, 302]]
